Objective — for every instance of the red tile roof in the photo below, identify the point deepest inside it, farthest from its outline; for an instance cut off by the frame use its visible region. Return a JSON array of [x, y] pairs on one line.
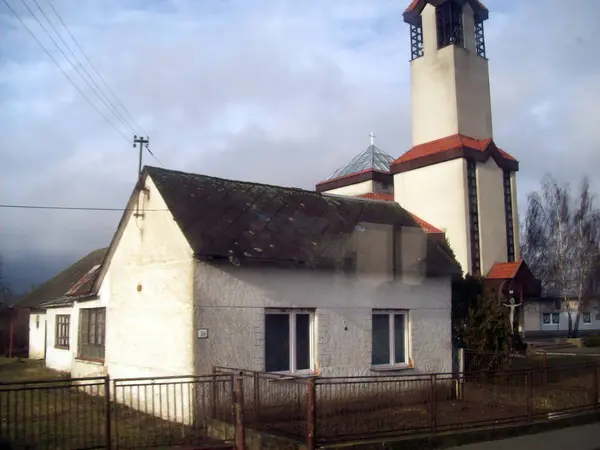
[[448, 143], [504, 271], [427, 227], [376, 196], [415, 3]]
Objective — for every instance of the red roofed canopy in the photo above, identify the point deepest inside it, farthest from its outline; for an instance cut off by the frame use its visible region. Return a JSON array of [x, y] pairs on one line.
[[516, 271], [413, 12], [453, 147]]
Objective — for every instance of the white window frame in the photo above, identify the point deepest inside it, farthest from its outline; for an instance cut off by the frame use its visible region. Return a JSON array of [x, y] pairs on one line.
[[292, 313], [549, 315], [552, 322], [589, 315], [407, 341]]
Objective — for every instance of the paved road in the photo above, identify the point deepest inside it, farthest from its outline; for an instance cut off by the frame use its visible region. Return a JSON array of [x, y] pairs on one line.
[[586, 437]]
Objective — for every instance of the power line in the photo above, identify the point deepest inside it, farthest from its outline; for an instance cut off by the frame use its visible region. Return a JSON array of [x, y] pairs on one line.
[[108, 101], [74, 208], [64, 72], [94, 68], [108, 106]]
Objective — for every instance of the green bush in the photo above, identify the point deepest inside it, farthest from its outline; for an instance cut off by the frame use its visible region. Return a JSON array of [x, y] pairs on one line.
[[592, 341]]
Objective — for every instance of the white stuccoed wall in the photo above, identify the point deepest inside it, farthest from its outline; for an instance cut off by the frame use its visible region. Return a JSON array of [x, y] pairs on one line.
[[515, 211], [37, 335], [363, 187], [58, 358], [492, 214], [230, 302], [150, 332], [438, 195]]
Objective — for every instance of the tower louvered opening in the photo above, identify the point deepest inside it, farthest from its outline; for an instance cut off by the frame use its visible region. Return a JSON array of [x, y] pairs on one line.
[[449, 24]]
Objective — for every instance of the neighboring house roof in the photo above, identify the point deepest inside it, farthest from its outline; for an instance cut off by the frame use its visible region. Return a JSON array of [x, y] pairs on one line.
[[56, 289], [235, 219], [371, 163], [416, 7], [82, 289], [453, 147], [426, 226]]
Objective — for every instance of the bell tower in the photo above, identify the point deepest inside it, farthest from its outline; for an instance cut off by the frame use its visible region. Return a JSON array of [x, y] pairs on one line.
[[450, 88], [455, 176]]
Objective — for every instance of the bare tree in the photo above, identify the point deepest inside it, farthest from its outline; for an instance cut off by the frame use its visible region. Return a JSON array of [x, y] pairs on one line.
[[5, 293], [561, 243]]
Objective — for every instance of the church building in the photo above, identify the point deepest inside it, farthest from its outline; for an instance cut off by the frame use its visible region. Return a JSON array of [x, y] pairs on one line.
[[454, 179]]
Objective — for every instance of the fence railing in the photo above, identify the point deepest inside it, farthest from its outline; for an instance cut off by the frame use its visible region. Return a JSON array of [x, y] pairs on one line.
[[217, 408], [54, 414], [121, 413], [476, 361], [330, 410]]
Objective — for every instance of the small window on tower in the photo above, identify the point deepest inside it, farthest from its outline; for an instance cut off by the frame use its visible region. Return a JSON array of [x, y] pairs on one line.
[[449, 24]]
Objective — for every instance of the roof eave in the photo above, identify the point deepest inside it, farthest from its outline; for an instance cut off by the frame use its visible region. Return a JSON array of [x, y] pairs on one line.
[[347, 180], [414, 10], [399, 166]]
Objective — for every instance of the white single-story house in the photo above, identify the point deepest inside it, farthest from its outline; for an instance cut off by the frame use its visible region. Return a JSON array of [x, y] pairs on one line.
[[204, 271], [57, 308], [549, 317]]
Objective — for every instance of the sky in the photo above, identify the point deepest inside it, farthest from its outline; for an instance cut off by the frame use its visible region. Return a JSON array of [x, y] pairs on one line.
[[274, 91]]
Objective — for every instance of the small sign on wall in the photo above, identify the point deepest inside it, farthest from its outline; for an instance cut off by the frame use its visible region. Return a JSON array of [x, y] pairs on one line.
[[202, 333]]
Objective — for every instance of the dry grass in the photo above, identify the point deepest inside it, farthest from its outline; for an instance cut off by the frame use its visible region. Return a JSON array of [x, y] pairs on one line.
[[57, 414]]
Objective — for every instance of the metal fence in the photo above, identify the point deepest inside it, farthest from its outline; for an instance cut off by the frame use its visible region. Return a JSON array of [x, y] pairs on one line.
[[332, 410], [475, 361], [93, 413], [217, 409]]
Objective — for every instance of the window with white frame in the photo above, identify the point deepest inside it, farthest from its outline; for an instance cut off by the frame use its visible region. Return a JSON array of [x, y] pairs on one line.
[[289, 341], [586, 317], [390, 338], [551, 318]]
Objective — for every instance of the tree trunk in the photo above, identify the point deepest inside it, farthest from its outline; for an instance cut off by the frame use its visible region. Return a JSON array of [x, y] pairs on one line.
[[570, 317], [576, 325]]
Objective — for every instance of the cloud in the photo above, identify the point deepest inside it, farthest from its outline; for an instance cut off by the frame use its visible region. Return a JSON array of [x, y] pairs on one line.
[[275, 91]]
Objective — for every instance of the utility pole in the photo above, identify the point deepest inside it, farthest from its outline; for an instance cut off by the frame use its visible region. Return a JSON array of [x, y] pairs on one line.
[[141, 141]]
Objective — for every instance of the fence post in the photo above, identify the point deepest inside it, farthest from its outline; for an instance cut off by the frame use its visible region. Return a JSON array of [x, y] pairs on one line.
[[432, 400], [529, 384], [596, 387], [214, 393], [255, 403], [108, 417], [238, 398], [310, 415]]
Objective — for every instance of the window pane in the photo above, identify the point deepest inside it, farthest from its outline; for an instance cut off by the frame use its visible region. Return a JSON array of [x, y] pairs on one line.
[[546, 318], [92, 338], [399, 354], [302, 341], [380, 351], [277, 342]]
